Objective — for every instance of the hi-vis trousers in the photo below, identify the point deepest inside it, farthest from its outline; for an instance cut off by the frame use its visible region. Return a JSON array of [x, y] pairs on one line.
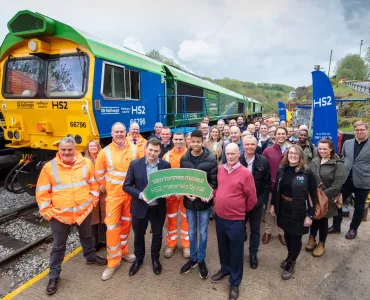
[[173, 206], [118, 221]]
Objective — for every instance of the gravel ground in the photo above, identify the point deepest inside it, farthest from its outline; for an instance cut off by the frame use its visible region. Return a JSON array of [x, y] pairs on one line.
[[9, 201], [4, 251], [23, 231], [31, 264]]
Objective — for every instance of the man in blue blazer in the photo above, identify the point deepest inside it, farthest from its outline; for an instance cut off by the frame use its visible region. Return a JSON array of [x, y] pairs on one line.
[[143, 211]]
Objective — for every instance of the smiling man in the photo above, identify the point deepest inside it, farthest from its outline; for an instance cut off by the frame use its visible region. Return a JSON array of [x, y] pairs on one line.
[[143, 211], [66, 193]]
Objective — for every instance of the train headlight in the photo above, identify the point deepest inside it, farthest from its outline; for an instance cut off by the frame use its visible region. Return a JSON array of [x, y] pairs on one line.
[[17, 135], [10, 134], [32, 45], [78, 139]]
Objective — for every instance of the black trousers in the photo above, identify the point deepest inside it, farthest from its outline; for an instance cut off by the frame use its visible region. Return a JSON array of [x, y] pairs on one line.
[[60, 232], [322, 226], [157, 216], [230, 240], [360, 198], [254, 217], [294, 245]]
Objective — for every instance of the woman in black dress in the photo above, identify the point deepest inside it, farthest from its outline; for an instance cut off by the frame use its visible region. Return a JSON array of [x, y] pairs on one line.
[[290, 202]]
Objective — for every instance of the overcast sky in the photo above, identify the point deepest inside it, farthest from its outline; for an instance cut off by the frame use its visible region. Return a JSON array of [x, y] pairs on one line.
[[275, 41]]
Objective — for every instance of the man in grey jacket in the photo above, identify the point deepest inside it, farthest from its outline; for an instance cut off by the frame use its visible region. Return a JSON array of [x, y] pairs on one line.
[[356, 155]]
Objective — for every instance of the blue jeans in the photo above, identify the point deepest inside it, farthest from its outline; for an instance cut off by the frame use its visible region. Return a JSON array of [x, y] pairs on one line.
[[198, 254]]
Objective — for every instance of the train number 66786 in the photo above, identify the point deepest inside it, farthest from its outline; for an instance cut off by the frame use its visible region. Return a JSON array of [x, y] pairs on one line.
[[77, 124]]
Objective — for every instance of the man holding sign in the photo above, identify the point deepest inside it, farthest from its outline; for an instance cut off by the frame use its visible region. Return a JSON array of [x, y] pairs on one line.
[[143, 210], [198, 209]]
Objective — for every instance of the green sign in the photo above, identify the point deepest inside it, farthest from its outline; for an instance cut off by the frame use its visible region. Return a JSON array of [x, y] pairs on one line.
[[169, 182]]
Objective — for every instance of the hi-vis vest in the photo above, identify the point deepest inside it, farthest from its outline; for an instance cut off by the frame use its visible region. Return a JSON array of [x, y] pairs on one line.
[[111, 167], [140, 144], [67, 193], [174, 158]]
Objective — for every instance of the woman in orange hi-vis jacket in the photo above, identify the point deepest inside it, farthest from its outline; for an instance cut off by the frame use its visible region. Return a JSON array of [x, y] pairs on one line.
[[174, 202], [66, 193], [98, 228], [111, 167]]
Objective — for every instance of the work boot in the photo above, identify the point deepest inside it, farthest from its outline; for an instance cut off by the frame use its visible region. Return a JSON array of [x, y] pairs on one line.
[[129, 257], [319, 250], [289, 270], [169, 252], [311, 243], [108, 272], [186, 252]]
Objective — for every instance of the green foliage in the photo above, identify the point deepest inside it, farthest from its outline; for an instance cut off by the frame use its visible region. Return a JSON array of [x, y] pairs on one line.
[[351, 67], [159, 57]]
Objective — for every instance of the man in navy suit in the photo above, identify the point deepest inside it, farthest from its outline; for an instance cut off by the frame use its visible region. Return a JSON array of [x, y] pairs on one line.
[[143, 211]]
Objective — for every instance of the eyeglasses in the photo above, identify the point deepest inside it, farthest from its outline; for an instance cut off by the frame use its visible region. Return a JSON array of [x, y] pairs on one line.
[[293, 154], [360, 130]]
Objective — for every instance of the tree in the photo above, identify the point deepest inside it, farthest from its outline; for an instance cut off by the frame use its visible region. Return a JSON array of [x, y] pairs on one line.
[[168, 61], [367, 55], [351, 67]]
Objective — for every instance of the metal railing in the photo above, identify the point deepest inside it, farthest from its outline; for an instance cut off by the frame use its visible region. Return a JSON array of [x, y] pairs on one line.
[[186, 116]]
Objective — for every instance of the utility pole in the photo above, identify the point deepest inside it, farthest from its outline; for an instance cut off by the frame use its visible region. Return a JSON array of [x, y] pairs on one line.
[[362, 42], [331, 52]]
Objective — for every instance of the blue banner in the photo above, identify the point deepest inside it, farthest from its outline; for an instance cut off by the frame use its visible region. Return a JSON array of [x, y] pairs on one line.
[[324, 109], [282, 111]]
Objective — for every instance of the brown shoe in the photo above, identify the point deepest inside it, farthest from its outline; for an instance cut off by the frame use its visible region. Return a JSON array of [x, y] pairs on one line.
[[266, 238], [282, 239], [311, 243], [319, 250]]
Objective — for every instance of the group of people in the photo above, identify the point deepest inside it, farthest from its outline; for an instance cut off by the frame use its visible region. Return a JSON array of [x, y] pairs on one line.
[[255, 174]]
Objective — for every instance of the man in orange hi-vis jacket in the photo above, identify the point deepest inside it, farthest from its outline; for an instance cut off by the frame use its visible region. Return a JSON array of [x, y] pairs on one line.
[[135, 137], [110, 170], [174, 202], [66, 193]]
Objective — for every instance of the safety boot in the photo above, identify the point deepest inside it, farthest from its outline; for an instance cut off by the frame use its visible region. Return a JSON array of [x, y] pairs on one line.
[[108, 272], [311, 244], [319, 250], [186, 252], [169, 252], [129, 257]]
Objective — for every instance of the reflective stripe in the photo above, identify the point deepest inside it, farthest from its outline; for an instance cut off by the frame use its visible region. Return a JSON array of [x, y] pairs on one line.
[[114, 248], [92, 179], [99, 172], [125, 219], [185, 238], [94, 193], [100, 178], [123, 243], [184, 232], [68, 186], [108, 214], [77, 208], [114, 226], [133, 148], [44, 205], [113, 181], [115, 255], [172, 231], [84, 172], [184, 215], [124, 236], [174, 237], [109, 157], [43, 188], [117, 173], [172, 215], [167, 156], [55, 171]]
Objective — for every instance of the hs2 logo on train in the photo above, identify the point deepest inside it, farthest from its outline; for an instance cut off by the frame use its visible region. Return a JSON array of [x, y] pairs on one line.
[[59, 105], [324, 101], [138, 110]]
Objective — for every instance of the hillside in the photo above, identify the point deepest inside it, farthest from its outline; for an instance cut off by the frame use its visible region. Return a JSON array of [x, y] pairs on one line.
[[268, 93]]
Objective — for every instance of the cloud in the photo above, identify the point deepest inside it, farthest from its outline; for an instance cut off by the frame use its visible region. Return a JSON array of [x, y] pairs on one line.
[[259, 41], [133, 44]]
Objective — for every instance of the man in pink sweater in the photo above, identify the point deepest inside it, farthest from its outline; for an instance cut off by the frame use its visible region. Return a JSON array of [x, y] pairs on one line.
[[234, 197]]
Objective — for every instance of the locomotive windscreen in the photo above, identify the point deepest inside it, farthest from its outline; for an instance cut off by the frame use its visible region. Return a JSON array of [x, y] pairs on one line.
[[192, 104]]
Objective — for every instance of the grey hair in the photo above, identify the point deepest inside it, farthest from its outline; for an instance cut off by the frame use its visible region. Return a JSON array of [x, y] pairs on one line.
[[249, 137], [118, 123], [221, 121], [68, 140]]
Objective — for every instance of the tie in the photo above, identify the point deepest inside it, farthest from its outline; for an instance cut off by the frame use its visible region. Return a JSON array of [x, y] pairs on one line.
[[134, 140]]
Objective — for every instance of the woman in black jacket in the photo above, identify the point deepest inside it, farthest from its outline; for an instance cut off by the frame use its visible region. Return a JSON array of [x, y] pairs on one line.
[[290, 201], [198, 210]]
